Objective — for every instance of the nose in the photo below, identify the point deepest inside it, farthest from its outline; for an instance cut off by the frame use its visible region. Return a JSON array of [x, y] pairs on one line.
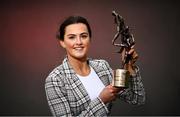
[[78, 40]]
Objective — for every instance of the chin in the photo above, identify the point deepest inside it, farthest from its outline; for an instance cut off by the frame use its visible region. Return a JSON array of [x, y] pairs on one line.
[[78, 55], [81, 57]]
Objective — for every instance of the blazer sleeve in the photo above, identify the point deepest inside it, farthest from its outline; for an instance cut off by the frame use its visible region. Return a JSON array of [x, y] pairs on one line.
[[135, 93], [58, 103]]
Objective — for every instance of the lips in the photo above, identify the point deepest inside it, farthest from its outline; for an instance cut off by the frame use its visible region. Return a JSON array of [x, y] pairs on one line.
[[78, 48]]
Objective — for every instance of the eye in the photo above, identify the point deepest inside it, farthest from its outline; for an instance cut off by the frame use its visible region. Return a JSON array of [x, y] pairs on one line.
[[84, 36], [71, 37]]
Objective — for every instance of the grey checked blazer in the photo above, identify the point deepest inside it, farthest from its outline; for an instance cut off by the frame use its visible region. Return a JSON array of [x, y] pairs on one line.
[[67, 96]]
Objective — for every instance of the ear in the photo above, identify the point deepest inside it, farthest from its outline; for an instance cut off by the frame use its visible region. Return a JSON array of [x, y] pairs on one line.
[[62, 44]]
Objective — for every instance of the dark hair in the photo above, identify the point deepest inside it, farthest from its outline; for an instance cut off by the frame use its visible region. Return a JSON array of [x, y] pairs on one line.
[[72, 20]]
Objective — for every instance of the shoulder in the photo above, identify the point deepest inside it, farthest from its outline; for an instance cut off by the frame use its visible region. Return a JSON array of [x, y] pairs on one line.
[[56, 74], [55, 83], [99, 62]]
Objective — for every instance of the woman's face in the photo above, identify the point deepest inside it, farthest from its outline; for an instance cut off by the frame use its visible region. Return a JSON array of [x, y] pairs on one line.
[[76, 41]]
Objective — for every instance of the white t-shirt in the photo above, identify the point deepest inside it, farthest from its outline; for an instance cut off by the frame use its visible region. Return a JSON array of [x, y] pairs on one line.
[[92, 84]]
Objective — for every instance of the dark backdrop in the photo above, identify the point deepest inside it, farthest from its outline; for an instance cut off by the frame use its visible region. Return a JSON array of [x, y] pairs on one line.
[[29, 50]]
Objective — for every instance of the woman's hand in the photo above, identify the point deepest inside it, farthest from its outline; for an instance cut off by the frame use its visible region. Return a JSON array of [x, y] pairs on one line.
[[109, 93], [133, 58]]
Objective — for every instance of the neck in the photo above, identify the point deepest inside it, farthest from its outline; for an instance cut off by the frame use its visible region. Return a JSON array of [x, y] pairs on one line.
[[80, 66]]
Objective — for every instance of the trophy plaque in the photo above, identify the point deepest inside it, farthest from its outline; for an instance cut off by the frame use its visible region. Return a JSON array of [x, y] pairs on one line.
[[120, 78]]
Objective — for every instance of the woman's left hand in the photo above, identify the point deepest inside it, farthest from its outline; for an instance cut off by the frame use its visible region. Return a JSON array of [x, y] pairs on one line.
[[133, 58]]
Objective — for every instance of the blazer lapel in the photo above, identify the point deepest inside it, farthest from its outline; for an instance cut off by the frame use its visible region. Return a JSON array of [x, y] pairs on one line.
[[100, 71], [75, 84]]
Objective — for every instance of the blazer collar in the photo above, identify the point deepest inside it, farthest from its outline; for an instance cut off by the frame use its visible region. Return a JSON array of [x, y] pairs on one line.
[[70, 73]]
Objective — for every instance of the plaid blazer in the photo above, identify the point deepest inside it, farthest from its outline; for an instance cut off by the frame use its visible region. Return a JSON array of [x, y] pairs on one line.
[[67, 96]]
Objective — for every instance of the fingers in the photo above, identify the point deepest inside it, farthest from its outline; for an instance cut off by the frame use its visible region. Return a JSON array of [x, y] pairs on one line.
[[134, 55], [131, 52], [114, 92], [114, 89], [108, 94]]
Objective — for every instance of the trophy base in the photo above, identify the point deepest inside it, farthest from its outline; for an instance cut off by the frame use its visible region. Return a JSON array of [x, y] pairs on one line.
[[120, 78]]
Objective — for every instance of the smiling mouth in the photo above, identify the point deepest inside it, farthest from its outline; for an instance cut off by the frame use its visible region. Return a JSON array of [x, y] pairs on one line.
[[78, 48]]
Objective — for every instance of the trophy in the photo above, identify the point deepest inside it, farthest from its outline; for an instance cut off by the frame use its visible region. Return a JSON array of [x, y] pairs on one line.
[[121, 76]]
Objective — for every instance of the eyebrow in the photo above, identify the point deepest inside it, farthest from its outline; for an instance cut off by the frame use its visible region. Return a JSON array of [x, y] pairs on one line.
[[80, 34]]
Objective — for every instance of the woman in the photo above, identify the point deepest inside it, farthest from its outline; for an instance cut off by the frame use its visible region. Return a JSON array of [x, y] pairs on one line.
[[81, 86]]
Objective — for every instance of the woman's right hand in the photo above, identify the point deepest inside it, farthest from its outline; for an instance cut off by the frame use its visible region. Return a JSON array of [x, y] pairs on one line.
[[109, 93]]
